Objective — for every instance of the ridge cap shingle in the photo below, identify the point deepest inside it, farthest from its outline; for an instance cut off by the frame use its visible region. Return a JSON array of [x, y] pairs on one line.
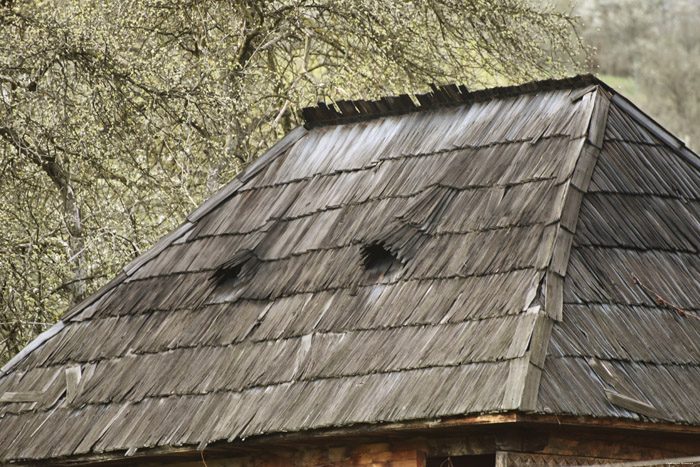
[[347, 111], [525, 373]]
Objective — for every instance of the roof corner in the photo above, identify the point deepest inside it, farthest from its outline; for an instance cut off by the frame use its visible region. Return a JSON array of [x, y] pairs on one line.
[[524, 374]]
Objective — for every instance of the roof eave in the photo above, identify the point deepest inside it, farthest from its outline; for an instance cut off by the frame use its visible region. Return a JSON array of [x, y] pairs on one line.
[[368, 432]]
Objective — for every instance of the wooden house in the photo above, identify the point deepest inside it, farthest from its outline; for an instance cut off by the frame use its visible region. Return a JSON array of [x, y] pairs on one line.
[[502, 277]]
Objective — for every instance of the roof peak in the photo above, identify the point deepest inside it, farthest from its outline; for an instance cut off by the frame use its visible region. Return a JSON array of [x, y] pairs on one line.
[[345, 111]]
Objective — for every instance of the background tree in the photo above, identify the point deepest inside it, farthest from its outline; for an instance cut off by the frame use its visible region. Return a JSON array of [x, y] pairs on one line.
[[650, 49], [118, 117]]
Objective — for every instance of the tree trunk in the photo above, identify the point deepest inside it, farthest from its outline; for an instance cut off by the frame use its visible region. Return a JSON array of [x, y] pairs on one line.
[[76, 244]]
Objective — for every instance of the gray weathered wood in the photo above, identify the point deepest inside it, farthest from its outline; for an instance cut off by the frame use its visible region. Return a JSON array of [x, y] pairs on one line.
[[561, 251], [554, 295], [528, 400], [515, 384], [578, 94], [599, 118], [570, 211], [77, 309], [72, 383], [607, 374], [296, 335], [158, 248], [584, 167], [647, 122], [522, 385], [603, 372], [522, 335], [275, 151], [633, 404], [26, 396], [540, 338]]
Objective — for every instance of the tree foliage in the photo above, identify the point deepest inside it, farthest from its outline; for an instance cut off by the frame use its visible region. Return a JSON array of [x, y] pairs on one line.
[[118, 117], [656, 43]]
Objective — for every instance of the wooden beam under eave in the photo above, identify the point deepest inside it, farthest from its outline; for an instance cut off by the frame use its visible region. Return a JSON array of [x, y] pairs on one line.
[[438, 427]]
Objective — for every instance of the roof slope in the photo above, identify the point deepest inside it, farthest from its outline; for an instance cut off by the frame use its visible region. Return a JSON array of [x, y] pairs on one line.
[[408, 265], [634, 272]]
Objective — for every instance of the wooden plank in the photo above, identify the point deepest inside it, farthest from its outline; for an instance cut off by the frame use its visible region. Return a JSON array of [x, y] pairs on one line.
[[599, 118], [568, 165], [525, 373], [511, 459], [561, 251], [73, 312], [531, 386], [539, 342], [539, 135], [689, 461], [585, 165], [402, 103], [72, 383], [647, 122], [347, 108], [502, 459], [26, 396], [632, 404], [603, 372], [554, 295], [530, 297], [522, 335], [546, 247], [578, 94], [692, 158], [517, 375], [522, 385], [571, 208], [607, 375]]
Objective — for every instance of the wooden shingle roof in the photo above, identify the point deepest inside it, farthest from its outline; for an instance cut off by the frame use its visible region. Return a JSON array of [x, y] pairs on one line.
[[477, 253]]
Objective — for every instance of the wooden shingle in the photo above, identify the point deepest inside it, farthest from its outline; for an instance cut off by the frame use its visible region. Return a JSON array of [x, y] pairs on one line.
[[516, 219]]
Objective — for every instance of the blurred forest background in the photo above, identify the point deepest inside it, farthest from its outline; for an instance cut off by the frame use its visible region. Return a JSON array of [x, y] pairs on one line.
[[118, 117], [649, 50]]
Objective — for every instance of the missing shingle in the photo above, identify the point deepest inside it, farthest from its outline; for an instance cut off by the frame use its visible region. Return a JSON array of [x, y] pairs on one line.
[[232, 275], [379, 263]]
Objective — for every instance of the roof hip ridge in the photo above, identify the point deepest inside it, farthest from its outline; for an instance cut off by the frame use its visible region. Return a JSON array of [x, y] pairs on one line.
[[524, 375]]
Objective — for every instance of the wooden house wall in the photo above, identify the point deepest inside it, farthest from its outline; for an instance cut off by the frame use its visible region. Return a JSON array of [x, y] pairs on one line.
[[502, 446]]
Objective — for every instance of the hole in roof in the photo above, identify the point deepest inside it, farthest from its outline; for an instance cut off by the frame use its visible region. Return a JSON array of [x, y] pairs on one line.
[[226, 284], [231, 275], [380, 263]]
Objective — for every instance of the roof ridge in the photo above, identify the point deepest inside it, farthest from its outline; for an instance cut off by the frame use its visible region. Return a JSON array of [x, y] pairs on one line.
[[345, 111]]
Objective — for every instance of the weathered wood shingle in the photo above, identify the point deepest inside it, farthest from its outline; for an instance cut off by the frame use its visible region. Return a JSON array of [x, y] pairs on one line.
[[634, 260], [501, 222]]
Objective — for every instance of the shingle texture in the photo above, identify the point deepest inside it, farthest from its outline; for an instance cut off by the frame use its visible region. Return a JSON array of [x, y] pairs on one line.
[[639, 220], [409, 265]]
